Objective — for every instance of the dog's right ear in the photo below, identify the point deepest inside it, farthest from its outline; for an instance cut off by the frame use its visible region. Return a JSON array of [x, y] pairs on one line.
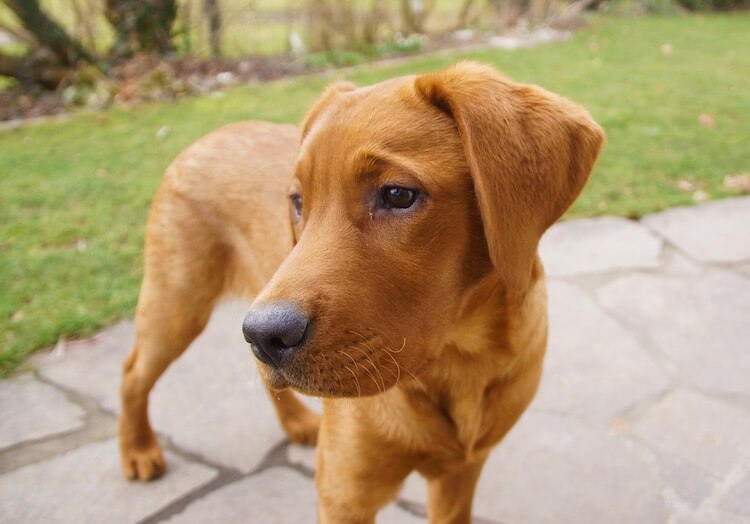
[[323, 101], [529, 153]]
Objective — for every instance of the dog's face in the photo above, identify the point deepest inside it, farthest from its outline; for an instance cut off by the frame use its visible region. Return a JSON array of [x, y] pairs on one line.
[[402, 202]]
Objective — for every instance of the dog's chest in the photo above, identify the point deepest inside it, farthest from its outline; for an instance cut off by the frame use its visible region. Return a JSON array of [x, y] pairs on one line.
[[456, 415]]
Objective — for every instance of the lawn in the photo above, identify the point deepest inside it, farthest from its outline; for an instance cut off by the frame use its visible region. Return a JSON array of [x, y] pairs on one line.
[[74, 194]]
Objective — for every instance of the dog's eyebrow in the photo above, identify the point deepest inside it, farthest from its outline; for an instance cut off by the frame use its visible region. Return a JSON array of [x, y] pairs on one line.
[[372, 161]]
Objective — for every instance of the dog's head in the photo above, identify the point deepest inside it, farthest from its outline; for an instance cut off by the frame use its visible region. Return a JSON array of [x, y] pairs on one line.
[[407, 195]]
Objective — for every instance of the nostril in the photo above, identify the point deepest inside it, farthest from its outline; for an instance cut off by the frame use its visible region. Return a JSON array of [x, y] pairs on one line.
[[275, 330]]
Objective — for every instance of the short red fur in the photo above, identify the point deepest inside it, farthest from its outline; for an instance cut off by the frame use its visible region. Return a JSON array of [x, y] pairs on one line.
[[430, 324]]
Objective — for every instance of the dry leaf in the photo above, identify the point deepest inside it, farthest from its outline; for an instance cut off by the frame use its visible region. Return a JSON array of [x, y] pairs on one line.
[[700, 196], [689, 186], [739, 182], [707, 120], [162, 133], [620, 426], [59, 349]]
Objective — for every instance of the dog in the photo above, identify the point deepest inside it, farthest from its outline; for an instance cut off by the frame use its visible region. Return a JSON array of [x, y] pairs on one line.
[[392, 254]]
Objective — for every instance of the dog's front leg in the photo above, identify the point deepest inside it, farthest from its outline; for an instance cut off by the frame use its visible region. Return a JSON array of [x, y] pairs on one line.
[[357, 472], [450, 496]]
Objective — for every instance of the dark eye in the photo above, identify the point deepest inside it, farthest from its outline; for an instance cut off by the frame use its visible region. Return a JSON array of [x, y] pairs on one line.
[[296, 200], [398, 197]]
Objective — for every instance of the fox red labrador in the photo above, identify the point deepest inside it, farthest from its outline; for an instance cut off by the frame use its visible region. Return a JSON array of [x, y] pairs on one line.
[[391, 248]]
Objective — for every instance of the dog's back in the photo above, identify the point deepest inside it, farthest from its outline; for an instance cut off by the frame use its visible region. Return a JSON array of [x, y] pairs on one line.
[[223, 193]]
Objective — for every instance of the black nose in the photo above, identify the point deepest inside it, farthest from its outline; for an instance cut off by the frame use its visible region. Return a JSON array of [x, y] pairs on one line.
[[275, 331]]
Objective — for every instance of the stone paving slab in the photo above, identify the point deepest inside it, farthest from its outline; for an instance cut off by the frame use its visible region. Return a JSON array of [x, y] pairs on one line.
[[704, 432], [211, 401], [592, 362], [699, 323], [85, 485], [737, 500], [712, 232], [101, 359], [598, 245], [30, 410], [556, 470], [278, 495]]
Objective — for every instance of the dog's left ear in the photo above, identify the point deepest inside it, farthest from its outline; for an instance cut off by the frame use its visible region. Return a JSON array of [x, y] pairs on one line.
[[530, 152]]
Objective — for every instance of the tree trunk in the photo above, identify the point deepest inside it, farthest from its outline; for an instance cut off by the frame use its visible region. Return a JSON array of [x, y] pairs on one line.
[[49, 33], [213, 12], [141, 25], [31, 69], [463, 14], [372, 21], [414, 14]]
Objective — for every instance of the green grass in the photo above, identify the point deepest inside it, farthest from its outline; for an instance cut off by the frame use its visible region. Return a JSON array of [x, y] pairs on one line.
[[75, 194]]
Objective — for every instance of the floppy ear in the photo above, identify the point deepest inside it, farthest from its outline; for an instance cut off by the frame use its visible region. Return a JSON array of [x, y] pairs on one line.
[[529, 151], [322, 102]]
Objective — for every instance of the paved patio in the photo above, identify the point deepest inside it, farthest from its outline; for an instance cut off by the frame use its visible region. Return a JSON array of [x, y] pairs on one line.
[[643, 415]]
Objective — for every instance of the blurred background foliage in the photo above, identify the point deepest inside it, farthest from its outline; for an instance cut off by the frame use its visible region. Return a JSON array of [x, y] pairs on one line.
[[51, 43]]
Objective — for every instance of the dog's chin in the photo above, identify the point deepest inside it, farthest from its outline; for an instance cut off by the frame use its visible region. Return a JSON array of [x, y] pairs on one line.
[[321, 385], [275, 379]]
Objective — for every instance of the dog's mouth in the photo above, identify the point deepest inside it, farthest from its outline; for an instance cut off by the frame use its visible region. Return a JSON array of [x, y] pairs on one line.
[[363, 365]]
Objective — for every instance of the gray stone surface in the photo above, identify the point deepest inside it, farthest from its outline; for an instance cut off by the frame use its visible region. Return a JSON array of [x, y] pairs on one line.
[[102, 361], [598, 245], [278, 495], [85, 485], [686, 486], [553, 469], [676, 263], [303, 456], [713, 232], [738, 499], [704, 432], [30, 410], [700, 323], [211, 401], [592, 362]]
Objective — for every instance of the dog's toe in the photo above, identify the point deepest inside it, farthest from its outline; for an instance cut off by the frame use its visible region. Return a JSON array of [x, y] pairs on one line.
[[144, 464]]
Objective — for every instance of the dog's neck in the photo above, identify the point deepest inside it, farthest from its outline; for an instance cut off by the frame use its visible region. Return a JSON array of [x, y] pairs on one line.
[[492, 344]]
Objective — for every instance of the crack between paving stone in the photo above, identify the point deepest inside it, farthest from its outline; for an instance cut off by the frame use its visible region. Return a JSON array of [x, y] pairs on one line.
[[96, 417], [711, 263], [274, 458], [223, 478], [637, 409], [97, 425], [646, 341], [711, 504], [736, 400]]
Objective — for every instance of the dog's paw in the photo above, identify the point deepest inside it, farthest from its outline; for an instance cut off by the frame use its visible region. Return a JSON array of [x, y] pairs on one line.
[[302, 428], [143, 463]]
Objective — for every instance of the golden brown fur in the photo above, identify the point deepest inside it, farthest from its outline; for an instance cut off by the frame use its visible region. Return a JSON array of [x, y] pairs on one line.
[[429, 323]]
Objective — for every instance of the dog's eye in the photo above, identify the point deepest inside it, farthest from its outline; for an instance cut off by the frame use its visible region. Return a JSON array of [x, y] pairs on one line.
[[296, 200], [398, 197]]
